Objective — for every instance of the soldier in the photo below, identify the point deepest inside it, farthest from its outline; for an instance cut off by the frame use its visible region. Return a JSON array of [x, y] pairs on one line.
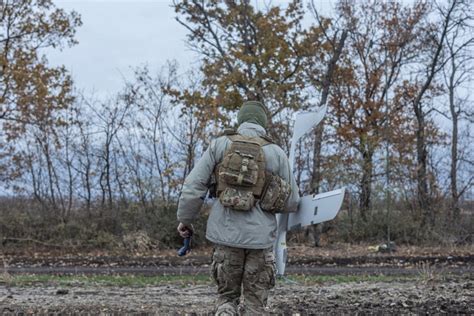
[[253, 183]]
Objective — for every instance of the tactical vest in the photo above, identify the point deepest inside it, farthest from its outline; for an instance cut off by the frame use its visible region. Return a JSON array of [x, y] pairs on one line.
[[241, 174], [242, 178]]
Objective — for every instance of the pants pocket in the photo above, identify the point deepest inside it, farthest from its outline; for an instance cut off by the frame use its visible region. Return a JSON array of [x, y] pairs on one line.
[[217, 262], [270, 267]]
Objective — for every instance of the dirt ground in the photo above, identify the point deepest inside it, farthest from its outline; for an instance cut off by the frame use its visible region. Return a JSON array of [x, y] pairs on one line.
[[413, 281], [447, 295]]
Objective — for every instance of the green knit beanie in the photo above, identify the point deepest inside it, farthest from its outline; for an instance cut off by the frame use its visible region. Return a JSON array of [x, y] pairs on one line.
[[253, 112]]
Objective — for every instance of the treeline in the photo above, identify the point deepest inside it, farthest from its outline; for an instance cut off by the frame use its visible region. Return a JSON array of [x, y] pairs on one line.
[[91, 172]]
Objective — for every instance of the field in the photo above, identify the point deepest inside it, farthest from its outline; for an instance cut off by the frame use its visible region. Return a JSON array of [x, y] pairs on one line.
[[413, 280]]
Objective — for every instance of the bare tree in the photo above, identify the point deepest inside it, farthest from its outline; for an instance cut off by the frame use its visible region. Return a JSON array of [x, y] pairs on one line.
[[457, 73], [433, 62], [111, 117], [154, 121], [85, 160]]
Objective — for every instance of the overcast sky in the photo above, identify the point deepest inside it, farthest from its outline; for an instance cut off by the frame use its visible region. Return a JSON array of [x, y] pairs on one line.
[[117, 36]]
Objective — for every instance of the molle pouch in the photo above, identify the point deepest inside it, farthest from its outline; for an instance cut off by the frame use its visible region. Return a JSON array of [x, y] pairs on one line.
[[275, 195], [237, 199], [241, 174], [240, 167]]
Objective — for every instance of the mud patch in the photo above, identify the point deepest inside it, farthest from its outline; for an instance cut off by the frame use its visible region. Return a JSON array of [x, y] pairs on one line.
[[379, 298], [453, 296]]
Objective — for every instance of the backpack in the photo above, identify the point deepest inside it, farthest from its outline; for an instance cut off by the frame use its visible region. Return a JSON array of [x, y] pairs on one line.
[[241, 174]]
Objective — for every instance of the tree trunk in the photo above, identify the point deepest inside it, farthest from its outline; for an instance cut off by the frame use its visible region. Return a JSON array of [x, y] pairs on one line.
[[421, 170], [87, 180], [316, 176], [455, 211], [434, 66], [314, 232], [318, 134], [366, 184]]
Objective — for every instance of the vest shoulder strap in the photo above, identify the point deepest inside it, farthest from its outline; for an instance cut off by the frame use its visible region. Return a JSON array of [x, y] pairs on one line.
[[261, 140], [228, 132], [268, 139]]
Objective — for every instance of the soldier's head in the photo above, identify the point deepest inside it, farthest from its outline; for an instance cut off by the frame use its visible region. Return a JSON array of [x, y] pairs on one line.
[[253, 112]]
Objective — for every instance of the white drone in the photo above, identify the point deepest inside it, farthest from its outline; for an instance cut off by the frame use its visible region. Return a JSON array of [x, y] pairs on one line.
[[312, 209]]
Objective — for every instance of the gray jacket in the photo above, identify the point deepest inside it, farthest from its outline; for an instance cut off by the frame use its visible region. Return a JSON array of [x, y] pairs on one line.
[[254, 229]]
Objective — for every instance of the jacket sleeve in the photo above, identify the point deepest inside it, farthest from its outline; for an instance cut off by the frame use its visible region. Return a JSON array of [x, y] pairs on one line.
[[195, 187]]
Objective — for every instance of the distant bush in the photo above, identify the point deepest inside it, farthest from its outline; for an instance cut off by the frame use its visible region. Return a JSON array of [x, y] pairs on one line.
[[401, 224], [133, 228], [25, 223]]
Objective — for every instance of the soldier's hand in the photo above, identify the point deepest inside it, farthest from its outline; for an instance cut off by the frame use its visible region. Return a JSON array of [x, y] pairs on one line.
[[185, 231]]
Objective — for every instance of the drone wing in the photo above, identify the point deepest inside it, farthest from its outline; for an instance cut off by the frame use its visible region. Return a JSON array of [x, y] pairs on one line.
[[316, 209]]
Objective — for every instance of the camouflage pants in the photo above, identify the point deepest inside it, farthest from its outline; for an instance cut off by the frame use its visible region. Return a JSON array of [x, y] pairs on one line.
[[243, 273]]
